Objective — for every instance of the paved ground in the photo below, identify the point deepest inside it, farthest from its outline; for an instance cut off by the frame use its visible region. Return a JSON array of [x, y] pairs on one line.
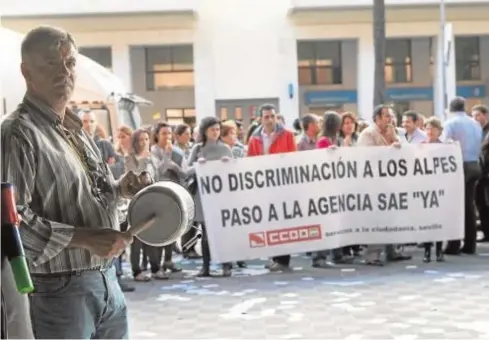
[[408, 300]]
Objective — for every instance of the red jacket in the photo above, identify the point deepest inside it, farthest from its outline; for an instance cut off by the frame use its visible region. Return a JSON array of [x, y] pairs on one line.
[[282, 141]]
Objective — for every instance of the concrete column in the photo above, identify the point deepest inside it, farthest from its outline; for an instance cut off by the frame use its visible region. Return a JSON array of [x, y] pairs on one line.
[[365, 75], [121, 64]]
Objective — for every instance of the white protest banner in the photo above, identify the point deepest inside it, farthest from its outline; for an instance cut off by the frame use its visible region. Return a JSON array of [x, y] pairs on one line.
[[323, 199]]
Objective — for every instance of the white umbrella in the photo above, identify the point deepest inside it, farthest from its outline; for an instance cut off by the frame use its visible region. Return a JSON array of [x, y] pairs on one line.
[[94, 82]]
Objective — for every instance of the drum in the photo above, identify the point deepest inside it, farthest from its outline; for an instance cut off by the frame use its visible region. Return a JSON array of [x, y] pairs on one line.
[[172, 208]]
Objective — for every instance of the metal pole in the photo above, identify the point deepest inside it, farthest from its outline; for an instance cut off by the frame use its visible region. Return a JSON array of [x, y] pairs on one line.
[[443, 75]]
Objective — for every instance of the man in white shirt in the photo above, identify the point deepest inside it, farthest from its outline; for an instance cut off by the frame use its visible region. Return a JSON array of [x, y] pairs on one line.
[[414, 135]]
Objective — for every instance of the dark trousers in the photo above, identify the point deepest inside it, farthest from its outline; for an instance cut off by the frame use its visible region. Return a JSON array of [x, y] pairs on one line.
[[471, 175], [482, 203], [154, 254], [428, 245], [283, 260], [206, 253]]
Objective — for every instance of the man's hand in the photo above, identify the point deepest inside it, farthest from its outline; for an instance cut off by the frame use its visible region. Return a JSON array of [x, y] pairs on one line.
[[201, 160], [130, 183], [396, 145], [105, 243], [333, 147], [225, 159]]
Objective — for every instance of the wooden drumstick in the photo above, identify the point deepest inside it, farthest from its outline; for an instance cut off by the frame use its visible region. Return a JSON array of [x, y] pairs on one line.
[[141, 227]]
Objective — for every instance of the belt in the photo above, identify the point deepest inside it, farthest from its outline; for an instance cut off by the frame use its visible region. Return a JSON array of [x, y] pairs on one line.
[[73, 272]]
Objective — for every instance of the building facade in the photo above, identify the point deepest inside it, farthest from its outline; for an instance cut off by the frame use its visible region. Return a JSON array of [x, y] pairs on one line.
[[196, 58]]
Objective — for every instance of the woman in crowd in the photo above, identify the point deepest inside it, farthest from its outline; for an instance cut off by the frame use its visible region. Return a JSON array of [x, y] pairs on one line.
[[169, 164], [182, 138], [348, 134], [139, 160], [209, 147], [229, 135], [124, 141], [348, 137], [329, 139], [433, 128]]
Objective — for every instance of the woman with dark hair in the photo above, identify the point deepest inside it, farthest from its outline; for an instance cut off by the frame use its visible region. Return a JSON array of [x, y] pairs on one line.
[[329, 139], [348, 135], [139, 160], [330, 130], [208, 148], [182, 135], [169, 168]]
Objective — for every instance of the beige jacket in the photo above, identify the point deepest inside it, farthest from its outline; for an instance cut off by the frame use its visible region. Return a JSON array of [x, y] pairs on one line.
[[372, 136]]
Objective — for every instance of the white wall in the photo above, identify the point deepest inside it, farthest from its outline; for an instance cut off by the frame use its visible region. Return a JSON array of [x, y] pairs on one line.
[[63, 7], [80, 7], [244, 50]]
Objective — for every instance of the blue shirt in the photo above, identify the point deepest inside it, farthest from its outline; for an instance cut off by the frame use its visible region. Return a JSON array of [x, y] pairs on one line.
[[417, 137], [467, 132]]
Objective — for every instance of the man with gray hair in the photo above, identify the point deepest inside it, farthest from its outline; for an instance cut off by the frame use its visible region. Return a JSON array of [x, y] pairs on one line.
[[67, 198]]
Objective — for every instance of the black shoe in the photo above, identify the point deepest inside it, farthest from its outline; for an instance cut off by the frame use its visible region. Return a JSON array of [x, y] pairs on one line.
[[204, 272], [241, 264], [226, 270], [468, 251], [427, 256], [440, 257], [453, 252], [192, 255], [126, 288]]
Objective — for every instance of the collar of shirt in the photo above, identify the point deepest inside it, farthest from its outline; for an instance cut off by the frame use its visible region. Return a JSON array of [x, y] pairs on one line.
[[268, 135], [71, 120]]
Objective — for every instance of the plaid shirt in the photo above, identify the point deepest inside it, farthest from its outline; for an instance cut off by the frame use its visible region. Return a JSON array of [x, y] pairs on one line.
[[55, 185]]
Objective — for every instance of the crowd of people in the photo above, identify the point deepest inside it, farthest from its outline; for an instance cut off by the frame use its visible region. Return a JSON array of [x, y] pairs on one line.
[[63, 170], [152, 148]]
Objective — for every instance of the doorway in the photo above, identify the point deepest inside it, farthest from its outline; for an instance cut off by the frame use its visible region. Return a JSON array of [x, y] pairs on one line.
[[243, 110]]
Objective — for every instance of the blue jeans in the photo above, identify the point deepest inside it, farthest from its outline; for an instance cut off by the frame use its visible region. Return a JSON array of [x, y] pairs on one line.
[[85, 305]]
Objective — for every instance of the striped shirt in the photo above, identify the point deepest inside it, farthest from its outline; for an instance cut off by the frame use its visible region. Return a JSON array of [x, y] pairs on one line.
[[54, 186]]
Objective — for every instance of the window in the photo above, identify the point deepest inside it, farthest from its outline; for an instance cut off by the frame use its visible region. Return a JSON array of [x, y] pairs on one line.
[[223, 113], [319, 62], [238, 113], [398, 63], [180, 116], [101, 55], [169, 66], [467, 58]]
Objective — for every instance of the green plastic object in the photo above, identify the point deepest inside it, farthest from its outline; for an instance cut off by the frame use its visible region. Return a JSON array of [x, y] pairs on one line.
[[22, 277]]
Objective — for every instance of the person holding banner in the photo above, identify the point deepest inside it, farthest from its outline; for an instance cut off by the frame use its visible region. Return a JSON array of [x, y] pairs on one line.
[[380, 133], [271, 138], [433, 128], [209, 147], [330, 140]]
